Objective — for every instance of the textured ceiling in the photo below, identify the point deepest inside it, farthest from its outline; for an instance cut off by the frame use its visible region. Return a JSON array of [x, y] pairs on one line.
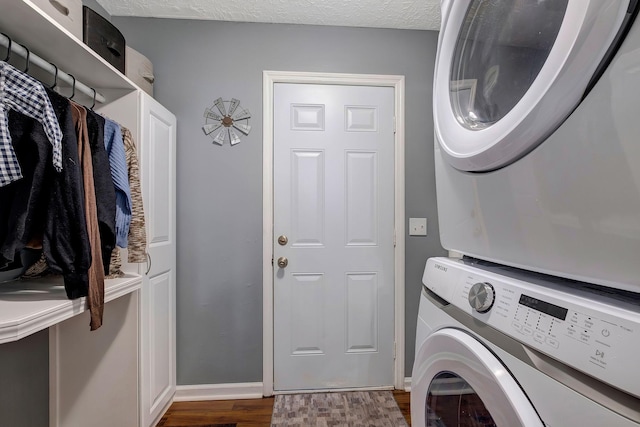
[[405, 14]]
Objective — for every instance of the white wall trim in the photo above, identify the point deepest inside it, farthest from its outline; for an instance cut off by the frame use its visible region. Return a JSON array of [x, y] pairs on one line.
[[324, 390], [407, 384], [218, 392], [161, 412], [269, 78]]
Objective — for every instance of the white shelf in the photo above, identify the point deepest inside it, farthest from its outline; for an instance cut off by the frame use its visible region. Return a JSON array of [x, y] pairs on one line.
[[29, 26], [29, 306]]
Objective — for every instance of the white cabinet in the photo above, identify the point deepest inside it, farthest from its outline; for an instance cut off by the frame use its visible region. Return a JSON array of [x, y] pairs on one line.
[[154, 129], [128, 365], [158, 175]]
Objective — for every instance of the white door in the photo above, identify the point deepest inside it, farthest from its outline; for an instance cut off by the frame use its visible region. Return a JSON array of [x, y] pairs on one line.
[[458, 381], [509, 73], [158, 179], [334, 208]]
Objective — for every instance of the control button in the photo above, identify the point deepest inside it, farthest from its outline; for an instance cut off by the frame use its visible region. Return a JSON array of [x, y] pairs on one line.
[[553, 342], [606, 333], [517, 326], [584, 336], [538, 336], [527, 330], [481, 297]]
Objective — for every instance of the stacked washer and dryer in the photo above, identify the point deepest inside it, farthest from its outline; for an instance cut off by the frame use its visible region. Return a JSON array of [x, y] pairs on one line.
[[537, 155]]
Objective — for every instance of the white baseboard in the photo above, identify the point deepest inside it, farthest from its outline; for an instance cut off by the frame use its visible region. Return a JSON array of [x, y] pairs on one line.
[[218, 392], [231, 391], [164, 411], [334, 390]]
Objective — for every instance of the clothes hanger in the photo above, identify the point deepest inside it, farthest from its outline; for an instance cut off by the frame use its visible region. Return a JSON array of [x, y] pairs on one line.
[[8, 48], [26, 67], [73, 87], [94, 99], [55, 76]]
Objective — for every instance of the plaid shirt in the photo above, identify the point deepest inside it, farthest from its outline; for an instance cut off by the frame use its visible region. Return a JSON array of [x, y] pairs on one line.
[[25, 95]]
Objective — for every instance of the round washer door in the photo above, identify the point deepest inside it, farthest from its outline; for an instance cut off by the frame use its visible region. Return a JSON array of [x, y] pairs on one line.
[[458, 381], [508, 73]]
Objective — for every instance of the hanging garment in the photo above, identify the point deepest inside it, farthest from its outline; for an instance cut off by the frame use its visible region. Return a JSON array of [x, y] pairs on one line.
[[95, 294], [26, 95], [117, 159], [137, 238], [105, 191], [66, 244], [47, 205]]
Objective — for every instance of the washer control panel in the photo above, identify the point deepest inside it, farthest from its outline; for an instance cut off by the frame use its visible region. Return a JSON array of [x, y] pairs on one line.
[[591, 332]]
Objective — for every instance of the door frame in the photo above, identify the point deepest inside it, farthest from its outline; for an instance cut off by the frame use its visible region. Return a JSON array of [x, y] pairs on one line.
[[269, 78]]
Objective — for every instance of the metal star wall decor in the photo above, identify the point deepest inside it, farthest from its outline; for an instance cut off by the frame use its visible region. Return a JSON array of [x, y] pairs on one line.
[[223, 123]]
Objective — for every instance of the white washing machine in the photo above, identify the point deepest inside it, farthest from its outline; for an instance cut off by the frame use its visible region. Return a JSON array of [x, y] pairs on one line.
[[536, 109], [499, 347]]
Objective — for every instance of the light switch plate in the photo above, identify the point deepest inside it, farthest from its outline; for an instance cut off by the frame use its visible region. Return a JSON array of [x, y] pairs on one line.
[[417, 226]]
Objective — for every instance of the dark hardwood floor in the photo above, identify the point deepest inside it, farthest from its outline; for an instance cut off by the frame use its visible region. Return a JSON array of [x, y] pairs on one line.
[[239, 413]]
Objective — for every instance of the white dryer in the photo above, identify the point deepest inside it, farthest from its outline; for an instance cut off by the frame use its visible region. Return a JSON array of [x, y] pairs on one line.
[[499, 347], [536, 110]]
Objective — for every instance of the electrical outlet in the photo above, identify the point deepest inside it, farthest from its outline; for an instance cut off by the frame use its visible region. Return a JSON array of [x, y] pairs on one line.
[[417, 226]]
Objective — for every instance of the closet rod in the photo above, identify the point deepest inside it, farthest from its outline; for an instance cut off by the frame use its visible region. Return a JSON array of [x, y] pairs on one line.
[[47, 66]]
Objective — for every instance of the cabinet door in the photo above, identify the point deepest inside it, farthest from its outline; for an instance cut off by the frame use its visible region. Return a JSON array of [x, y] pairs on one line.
[[158, 180]]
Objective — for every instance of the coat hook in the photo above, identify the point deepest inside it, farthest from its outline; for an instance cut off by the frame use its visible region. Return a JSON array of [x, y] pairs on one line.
[[73, 88], [94, 99], [55, 76], [26, 67], [8, 48]]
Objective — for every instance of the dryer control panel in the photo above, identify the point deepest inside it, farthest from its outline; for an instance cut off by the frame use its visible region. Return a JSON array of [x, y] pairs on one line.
[[594, 331]]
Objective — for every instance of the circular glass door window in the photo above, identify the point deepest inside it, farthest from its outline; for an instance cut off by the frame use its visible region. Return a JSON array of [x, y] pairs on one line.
[[500, 51], [458, 382], [509, 73], [451, 401]]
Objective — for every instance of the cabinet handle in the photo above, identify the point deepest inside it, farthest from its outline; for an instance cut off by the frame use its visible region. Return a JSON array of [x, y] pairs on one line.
[[148, 264], [60, 7]]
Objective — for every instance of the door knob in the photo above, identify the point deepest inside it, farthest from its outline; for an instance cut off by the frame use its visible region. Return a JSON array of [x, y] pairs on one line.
[[283, 262], [283, 240]]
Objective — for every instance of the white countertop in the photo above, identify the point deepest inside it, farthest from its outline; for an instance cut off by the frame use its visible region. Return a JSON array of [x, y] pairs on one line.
[[29, 306]]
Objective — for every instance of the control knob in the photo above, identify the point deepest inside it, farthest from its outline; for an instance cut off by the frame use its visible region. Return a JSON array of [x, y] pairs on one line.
[[481, 297]]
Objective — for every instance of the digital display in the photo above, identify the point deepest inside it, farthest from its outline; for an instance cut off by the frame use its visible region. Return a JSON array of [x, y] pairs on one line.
[[544, 307]]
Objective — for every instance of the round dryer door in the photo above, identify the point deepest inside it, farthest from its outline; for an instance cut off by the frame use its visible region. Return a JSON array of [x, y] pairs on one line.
[[508, 73], [458, 381]]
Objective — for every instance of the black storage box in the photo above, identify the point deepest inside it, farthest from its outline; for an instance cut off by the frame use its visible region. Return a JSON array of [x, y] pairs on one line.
[[105, 39]]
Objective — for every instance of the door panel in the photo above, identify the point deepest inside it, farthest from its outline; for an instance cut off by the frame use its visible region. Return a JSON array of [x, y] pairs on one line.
[[307, 316], [158, 175], [361, 187], [334, 201], [160, 297], [362, 312], [307, 204]]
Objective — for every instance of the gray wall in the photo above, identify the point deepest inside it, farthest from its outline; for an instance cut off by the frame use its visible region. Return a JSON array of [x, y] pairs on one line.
[[219, 273]]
